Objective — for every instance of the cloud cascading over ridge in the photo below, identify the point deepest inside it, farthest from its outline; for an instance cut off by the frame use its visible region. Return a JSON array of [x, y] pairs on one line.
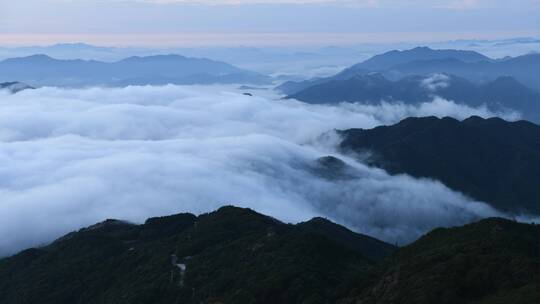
[[74, 157]]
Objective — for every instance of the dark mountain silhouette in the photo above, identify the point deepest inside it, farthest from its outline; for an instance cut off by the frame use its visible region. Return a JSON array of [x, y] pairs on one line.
[[490, 160], [232, 255], [369, 247], [492, 261], [14, 86], [235, 255], [504, 93], [42, 70]]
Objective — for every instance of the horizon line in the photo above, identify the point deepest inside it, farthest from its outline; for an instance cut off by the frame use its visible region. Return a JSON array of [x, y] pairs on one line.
[[252, 39]]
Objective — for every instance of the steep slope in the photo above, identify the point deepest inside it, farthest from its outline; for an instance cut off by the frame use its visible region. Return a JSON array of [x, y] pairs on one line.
[[372, 88], [161, 69], [369, 247], [232, 255], [492, 261], [293, 87], [491, 160]]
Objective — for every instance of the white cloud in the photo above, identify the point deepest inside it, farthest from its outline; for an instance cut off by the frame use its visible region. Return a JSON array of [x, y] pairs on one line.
[[436, 82], [71, 158]]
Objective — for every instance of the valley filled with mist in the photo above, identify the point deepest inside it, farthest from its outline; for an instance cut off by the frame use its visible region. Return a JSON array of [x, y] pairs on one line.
[[73, 157], [387, 168]]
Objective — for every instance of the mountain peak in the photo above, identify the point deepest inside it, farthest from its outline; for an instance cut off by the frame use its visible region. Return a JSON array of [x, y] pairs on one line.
[[420, 49], [163, 57], [473, 119], [32, 58], [393, 58], [106, 224]]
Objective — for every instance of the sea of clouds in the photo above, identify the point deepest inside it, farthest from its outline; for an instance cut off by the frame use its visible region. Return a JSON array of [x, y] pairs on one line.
[[72, 157]]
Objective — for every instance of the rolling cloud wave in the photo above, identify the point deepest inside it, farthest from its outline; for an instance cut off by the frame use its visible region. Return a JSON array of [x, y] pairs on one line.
[[71, 158]]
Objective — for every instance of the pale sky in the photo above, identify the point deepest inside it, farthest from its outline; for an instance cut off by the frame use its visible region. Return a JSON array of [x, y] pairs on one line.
[[172, 23]]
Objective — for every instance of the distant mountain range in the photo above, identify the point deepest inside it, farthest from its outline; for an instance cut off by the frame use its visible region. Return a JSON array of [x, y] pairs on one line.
[[522, 68], [424, 61], [490, 160], [418, 75], [42, 70], [385, 64], [499, 95], [73, 51], [14, 87], [466, 64], [395, 58], [236, 255]]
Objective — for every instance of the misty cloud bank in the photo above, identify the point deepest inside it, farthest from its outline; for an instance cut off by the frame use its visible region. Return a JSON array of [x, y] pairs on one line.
[[71, 158]]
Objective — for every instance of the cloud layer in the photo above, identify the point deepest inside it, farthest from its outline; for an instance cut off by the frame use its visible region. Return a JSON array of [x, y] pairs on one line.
[[71, 158]]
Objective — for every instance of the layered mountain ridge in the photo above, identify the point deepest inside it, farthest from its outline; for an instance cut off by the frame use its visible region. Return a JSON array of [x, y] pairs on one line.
[[491, 160], [232, 255], [419, 75], [423, 61], [236, 255], [42, 70], [500, 95]]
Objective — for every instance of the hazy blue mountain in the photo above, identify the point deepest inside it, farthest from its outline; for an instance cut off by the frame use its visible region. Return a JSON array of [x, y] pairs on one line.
[[14, 87], [383, 62], [491, 160], [79, 51], [472, 66], [292, 87], [523, 68], [66, 48], [283, 62], [500, 94], [392, 58], [42, 70]]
